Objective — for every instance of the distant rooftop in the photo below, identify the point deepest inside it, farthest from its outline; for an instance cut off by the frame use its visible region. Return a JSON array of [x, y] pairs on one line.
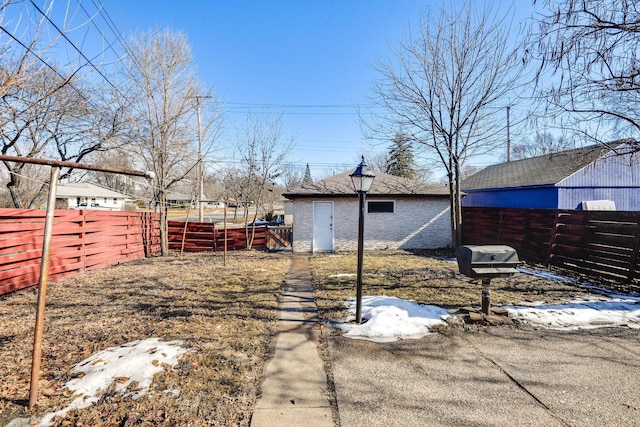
[[383, 184], [85, 189], [548, 169]]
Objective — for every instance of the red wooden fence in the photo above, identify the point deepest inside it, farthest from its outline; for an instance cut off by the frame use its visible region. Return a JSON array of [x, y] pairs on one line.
[[204, 237], [596, 243], [82, 240]]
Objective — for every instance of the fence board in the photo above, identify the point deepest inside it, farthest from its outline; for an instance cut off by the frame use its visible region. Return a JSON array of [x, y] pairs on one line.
[[596, 243], [201, 237], [82, 240]]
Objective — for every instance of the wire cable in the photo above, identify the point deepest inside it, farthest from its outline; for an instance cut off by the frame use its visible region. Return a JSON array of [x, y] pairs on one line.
[[62, 33]]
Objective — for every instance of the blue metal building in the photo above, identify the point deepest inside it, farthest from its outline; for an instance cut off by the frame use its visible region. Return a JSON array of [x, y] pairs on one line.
[[561, 180]]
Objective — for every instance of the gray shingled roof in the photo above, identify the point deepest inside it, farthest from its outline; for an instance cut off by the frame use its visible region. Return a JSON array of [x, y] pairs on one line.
[[85, 189], [542, 170], [383, 184]]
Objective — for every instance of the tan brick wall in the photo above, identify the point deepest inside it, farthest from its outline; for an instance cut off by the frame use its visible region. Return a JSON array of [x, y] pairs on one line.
[[416, 224]]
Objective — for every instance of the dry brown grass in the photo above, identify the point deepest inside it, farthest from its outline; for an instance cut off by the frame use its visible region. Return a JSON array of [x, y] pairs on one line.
[[426, 278], [225, 315]]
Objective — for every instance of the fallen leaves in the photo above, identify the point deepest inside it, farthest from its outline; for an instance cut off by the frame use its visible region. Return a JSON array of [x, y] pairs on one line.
[[225, 315]]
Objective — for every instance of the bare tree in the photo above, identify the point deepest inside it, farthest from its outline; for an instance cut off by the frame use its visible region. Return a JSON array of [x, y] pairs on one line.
[[543, 143], [588, 67], [162, 82], [378, 161], [445, 89], [263, 150], [63, 125], [116, 158], [44, 110], [293, 176]]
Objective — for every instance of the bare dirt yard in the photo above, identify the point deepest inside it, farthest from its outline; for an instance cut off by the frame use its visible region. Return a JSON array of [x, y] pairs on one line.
[[226, 316]]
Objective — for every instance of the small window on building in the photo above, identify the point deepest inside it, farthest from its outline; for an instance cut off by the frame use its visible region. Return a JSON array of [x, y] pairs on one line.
[[380, 207]]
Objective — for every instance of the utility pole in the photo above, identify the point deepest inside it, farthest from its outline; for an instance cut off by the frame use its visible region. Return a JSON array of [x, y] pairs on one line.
[[200, 166], [508, 135]]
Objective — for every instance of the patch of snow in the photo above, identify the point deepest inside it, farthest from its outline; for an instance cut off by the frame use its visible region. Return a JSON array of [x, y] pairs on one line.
[[595, 313], [389, 319], [19, 422], [137, 361], [173, 392]]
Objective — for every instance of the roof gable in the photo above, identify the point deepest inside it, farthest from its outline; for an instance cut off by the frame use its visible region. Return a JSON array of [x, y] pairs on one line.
[[545, 170], [383, 185], [85, 189]]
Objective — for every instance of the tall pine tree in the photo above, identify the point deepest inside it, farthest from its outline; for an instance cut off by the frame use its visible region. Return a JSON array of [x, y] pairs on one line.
[[401, 161], [307, 176]]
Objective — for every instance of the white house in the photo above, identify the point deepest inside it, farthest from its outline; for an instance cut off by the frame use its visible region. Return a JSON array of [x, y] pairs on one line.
[[83, 195], [400, 213]]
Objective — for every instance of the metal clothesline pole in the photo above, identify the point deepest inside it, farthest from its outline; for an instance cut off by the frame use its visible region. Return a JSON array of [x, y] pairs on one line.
[[46, 250], [42, 288]]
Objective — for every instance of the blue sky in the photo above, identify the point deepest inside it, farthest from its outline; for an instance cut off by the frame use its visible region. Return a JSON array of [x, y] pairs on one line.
[[308, 59]]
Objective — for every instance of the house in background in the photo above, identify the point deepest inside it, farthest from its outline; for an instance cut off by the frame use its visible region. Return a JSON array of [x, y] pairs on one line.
[[400, 213], [83, 195], [595, 177]]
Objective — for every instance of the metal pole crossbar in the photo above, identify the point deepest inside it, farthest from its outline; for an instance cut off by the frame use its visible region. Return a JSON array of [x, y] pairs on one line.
[[46, 249]]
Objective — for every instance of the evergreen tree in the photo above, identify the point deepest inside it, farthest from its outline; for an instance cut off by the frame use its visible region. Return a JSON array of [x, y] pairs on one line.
[[307, 176], [401, 161]]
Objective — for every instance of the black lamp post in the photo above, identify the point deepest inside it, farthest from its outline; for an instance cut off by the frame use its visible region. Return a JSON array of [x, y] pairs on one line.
[[362, 179]]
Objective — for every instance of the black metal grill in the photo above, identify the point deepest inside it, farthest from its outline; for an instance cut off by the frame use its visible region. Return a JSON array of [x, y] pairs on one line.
[[486, 262]]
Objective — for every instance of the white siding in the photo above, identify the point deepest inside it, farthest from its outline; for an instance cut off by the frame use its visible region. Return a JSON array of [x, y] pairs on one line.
[[417, 223]]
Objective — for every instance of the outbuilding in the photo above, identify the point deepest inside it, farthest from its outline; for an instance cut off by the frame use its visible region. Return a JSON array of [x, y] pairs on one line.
[[400, 213], [594, 177]]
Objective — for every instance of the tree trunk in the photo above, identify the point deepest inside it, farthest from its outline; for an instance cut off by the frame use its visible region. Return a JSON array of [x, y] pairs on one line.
[[164, 229], [458, 208]]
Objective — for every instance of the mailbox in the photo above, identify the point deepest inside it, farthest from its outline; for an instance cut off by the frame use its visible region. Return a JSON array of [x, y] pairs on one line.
[[487, 261]]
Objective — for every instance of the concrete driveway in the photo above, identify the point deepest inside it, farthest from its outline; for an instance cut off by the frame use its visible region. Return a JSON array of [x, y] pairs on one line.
[[493, 377]]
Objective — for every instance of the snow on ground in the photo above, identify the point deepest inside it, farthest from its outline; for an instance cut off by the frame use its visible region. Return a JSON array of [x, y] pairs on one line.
[[593, 313], [388, 319], [136, 361]]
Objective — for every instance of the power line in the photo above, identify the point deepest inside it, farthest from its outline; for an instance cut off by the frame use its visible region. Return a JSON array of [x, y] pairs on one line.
[[293, 105], [92, 20], [62, 33], [66, 80], [114, 29]]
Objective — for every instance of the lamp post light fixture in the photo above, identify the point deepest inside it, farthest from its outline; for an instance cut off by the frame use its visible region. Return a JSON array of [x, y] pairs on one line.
[[362, 179]]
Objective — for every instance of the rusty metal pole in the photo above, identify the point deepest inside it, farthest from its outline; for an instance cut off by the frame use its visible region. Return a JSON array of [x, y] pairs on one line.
[[42, 287], [486, 296]]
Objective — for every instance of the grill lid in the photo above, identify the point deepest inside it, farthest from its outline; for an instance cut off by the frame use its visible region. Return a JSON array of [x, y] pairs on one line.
[[486, 261]]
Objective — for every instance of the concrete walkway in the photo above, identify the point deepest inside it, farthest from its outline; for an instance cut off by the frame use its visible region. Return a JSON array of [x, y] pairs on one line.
[[294, 388], [495, 376]]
